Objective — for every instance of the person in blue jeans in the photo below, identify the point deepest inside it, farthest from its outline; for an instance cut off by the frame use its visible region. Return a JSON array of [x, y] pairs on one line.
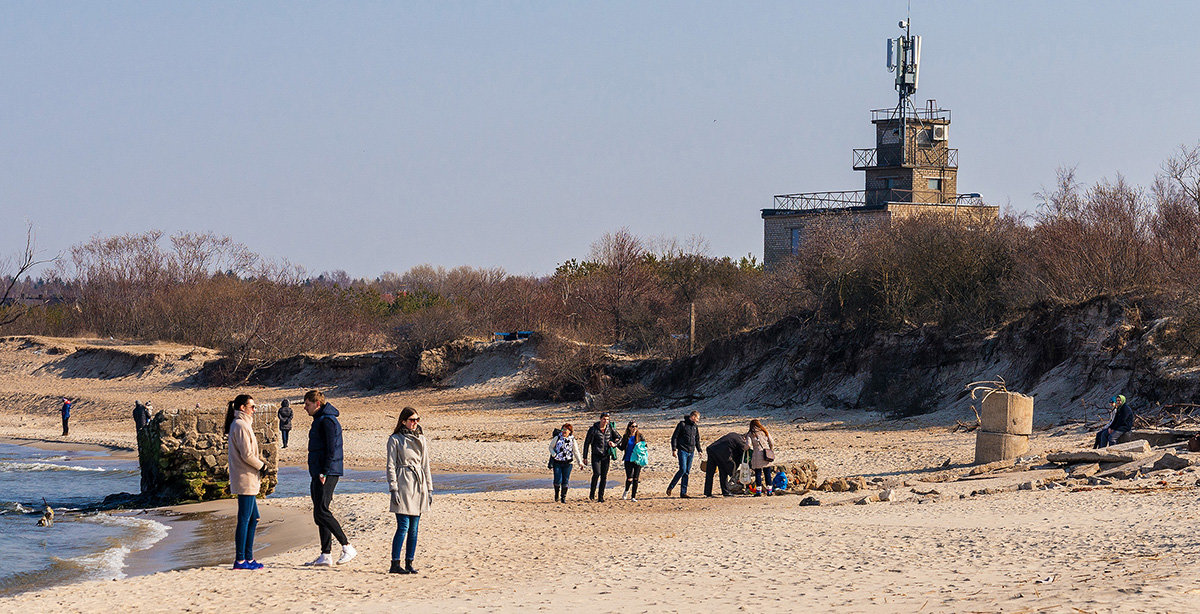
[[411, 486], [246, 469], [564, 454], [685, 444]]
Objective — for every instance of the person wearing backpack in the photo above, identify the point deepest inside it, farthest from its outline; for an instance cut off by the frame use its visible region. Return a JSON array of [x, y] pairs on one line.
[[599, 442], [634, 446], [564, 454], [762, 457]]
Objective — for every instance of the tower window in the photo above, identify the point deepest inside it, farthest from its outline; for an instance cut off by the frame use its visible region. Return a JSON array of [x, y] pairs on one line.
[[795, 241], [935, 184]]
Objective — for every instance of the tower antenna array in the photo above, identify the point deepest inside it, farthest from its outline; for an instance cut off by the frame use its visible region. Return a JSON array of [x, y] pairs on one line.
[[904, 58]]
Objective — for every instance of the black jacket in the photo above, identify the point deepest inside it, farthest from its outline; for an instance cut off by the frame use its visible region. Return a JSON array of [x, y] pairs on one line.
[[285, 418], [325, 443], [141, 416], [1123, 419], [728, 449], [686, 436], [595, 444]]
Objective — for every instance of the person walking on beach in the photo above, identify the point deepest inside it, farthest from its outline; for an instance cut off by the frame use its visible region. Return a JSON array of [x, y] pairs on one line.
[[762, 456], [600, 440], [66, 415], [634, 446], [411, 485], [685, 443], [141, 415], [723, 456], [285, 420], [246, 468], [1120, 423], [564, 455], [325, 467]]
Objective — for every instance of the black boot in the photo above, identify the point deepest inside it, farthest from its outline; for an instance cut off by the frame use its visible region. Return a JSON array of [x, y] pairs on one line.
[[396, 568], [408, 568], [563, 498], [557, 489], [592, 494]]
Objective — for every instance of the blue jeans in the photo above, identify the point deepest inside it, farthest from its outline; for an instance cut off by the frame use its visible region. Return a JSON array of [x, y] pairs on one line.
[[681, 476], [562, 473], [247, 521], [405, 526]]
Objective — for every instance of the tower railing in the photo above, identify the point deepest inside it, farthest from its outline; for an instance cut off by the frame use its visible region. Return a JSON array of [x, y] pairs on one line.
[[917, 156], [926, 115], [864, 198]]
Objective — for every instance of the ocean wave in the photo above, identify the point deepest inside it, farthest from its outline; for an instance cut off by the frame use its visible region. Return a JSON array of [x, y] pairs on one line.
[[15, 466], [108, 563], [12, 507]]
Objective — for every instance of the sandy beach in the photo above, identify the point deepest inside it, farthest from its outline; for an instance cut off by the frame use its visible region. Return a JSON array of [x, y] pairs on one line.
[[1092, 550]]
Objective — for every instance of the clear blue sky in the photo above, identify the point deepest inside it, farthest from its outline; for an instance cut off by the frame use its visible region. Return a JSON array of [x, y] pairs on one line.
[[376, 136]]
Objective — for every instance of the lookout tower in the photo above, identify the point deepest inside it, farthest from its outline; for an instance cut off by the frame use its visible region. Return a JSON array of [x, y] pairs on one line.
[[911, 169]]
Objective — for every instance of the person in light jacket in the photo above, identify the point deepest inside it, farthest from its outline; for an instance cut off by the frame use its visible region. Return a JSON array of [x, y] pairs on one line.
[[246, 468], [762, 456], [411, 485], [564, 455]]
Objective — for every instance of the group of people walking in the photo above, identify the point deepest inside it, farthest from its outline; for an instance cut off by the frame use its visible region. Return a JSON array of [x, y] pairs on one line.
[[602, 443], [408, 472]]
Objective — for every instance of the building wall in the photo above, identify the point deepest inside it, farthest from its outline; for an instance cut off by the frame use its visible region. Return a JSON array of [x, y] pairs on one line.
[[778, 228]]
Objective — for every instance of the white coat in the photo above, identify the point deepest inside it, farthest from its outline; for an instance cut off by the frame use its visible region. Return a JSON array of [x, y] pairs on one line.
[[759, 443], [244, 458], [409, 478]]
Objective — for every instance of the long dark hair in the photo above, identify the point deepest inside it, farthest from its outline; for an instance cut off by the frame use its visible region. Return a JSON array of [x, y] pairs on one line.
[[405, 414], [632, 430], [240, 400]]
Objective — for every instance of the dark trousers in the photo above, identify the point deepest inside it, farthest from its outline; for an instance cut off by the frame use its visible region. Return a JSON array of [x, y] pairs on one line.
[[284, 436], [327, 525], [405, 539], [685, 467], [758, 477], [247, 522], [725, 467], [66, 428], [599, 473]]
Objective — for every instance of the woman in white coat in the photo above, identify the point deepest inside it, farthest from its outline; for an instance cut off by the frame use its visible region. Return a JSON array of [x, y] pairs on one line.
[[762, 456], [245, 476], [411, 484]]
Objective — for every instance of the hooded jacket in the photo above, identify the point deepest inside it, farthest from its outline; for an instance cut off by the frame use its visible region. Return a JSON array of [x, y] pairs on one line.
[[285, 417], [325, 443]]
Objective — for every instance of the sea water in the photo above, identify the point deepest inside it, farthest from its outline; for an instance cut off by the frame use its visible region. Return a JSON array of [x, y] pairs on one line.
[[81, 545]]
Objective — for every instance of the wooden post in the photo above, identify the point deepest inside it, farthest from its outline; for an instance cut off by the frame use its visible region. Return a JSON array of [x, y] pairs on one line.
[[692, 331]]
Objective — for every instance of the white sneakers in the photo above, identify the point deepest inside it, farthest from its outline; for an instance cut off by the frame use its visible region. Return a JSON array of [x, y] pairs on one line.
[[322, 561], [348, 554]]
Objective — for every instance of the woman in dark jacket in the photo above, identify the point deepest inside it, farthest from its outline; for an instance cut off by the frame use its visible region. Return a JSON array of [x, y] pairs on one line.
[[285, 420], [633, 471]]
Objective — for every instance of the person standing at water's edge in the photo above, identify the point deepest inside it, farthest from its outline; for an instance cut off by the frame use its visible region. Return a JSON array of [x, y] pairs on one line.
[[411, 486], [246, 469], [325, 467], [600, 440], [285, 420], [685, 444], [66, 415]]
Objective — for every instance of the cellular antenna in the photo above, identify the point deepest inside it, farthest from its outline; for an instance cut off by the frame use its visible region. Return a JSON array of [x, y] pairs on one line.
[[904, 59]]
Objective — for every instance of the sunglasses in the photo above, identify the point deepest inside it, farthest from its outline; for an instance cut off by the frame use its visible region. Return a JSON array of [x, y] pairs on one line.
[[412, 420]]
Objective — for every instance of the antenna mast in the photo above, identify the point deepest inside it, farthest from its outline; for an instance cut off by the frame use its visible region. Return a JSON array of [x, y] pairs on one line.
[[904, 58]]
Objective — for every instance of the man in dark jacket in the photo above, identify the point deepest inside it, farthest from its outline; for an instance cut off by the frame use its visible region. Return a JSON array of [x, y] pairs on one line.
[[285, 420], [1121, 423], [66, 415], [325, 467], [600, 439], [723, 455], [141, 415], [685, 443]]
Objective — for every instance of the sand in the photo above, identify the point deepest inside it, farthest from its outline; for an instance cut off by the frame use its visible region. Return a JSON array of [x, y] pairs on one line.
[[1042, 550]]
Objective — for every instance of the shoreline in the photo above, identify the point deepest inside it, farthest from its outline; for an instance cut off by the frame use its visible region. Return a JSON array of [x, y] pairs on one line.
[[54, 445]]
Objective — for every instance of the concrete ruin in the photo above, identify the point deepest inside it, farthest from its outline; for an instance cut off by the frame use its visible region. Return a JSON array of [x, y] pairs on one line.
[[182, 454]]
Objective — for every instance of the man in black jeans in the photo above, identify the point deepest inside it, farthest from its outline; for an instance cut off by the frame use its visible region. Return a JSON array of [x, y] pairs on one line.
[[325, 466], [723, 455], [600, 439]]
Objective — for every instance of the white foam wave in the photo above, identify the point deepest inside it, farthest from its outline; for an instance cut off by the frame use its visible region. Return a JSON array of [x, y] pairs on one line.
[[108, 563], [14, 466], [14, 507]]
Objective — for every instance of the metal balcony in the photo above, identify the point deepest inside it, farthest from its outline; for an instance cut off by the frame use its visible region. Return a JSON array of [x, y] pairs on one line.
[[917, 156]]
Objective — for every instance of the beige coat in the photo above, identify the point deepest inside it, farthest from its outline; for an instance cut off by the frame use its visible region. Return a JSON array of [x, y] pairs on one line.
[[409, 478], [244, 458], [759, 442]]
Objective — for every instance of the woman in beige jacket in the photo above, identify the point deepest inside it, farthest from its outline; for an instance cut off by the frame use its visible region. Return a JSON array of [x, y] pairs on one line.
[[245, 476], [411, 485], [762, 456]]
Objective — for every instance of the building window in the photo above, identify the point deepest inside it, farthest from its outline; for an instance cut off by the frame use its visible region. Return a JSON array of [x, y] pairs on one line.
[[795, 241], [935, 184]]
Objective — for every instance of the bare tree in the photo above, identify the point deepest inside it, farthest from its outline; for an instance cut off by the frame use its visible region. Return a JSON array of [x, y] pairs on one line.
[[11, 311]]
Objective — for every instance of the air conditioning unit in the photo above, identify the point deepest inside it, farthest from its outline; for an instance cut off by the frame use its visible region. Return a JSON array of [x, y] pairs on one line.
[[941, 133]]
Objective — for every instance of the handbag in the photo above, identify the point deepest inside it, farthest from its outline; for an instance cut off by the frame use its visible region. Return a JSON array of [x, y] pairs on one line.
[[768, 455]]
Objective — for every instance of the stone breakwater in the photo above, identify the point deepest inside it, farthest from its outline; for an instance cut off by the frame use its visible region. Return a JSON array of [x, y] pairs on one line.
[[182, 454]]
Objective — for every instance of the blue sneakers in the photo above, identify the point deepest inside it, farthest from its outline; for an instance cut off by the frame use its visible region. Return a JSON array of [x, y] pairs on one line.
[[251, 564]]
